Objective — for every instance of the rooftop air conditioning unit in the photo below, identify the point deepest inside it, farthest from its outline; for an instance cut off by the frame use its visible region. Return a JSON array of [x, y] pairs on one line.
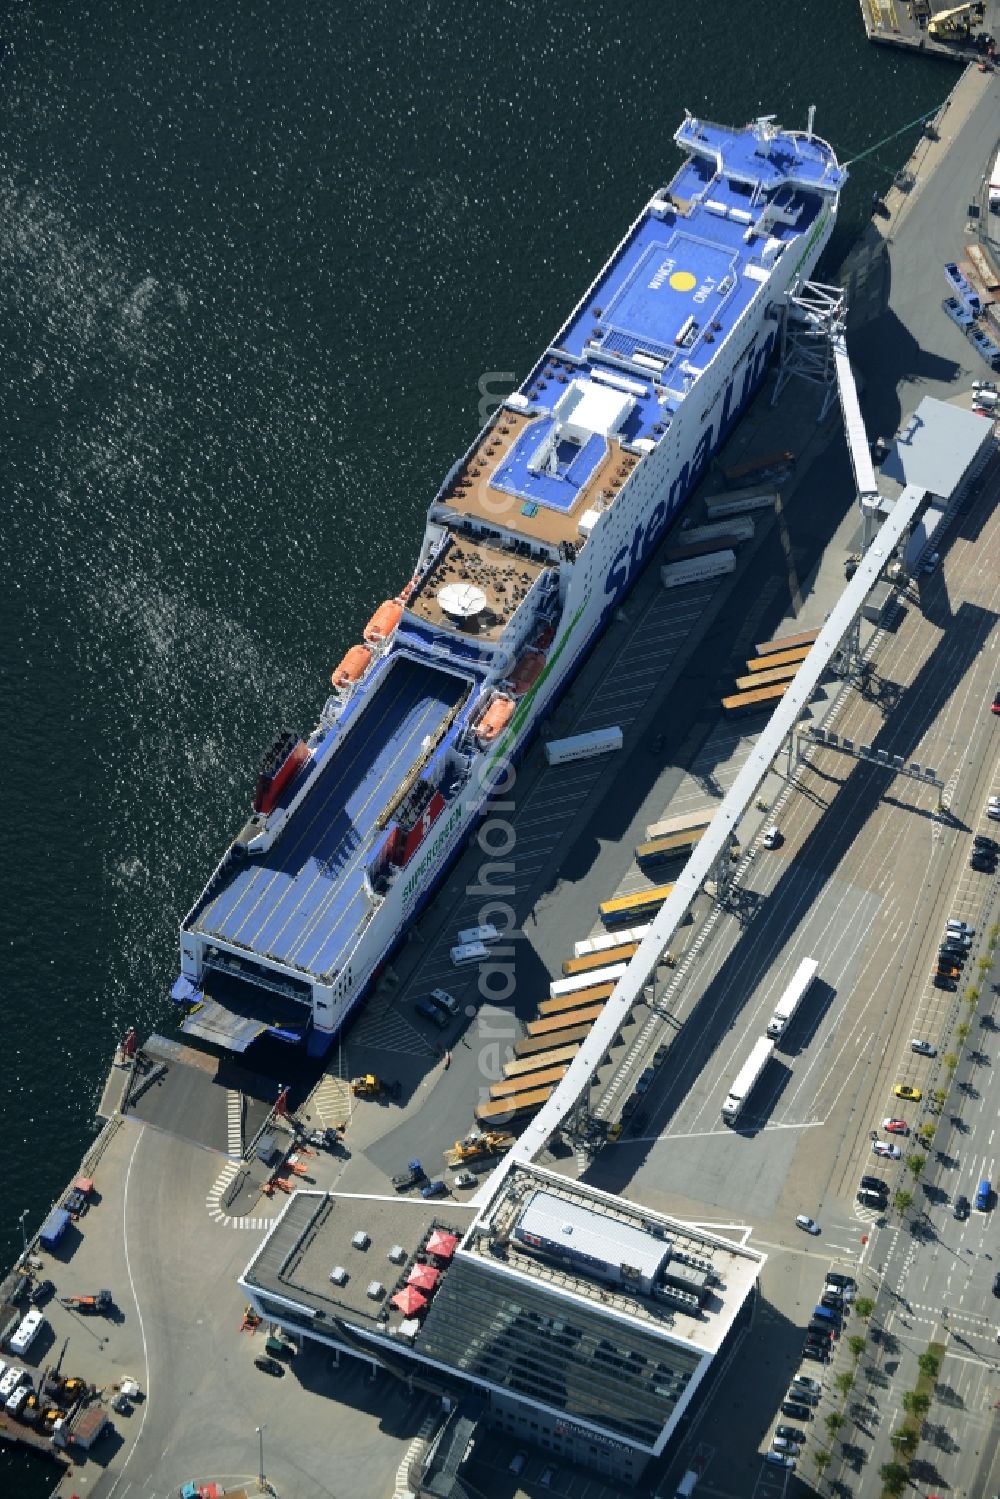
[[360, 1240], [375, 1291], [338, 1275]]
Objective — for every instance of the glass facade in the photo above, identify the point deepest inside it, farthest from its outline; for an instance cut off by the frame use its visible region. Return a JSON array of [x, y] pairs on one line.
[[580, 1361]]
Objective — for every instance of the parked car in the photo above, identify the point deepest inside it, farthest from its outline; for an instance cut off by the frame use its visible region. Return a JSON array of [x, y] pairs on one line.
[[940, 982], [268, 1365], [796, 1410], [961, 1208], [547, 1476], [983, 863], [433, 1189], [923, 1048], [644, 1080], [803, 1221], [808, 1383], [771, 837], [517, 1462], [907, 1091], [42, 1292], [790, 1433], [778, 1459], [813, 1351], [833, 1299], [868, 1184], [465, 1178], [962, 927], [887, 1149], [895, 1126], [981, 841], [841, 1282]]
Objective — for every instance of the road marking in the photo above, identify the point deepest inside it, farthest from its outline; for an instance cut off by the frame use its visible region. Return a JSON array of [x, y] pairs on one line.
[[147, 1392], [234, 1122]]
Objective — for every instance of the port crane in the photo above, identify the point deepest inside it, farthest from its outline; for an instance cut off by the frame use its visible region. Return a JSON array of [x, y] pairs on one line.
[[956, 22]]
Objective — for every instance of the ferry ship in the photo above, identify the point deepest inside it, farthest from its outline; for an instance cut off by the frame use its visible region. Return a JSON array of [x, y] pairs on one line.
[[536, 533]]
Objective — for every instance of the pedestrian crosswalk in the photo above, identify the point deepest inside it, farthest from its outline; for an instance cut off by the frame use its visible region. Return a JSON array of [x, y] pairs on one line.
[[331, 1100], [218, 1190], [234, 1124]]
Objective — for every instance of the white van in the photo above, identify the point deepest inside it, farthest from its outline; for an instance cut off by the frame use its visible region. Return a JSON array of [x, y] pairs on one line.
[[10, 1382], [485, 933], [686, 1487], [28, 1330], [469, 952], [445, 1000]]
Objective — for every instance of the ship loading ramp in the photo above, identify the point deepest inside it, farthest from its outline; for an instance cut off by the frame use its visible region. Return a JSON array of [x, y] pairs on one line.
[[571, 1094], [270, 926]]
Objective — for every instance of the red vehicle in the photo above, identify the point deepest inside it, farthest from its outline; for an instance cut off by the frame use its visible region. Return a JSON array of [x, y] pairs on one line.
[[895, 1126]]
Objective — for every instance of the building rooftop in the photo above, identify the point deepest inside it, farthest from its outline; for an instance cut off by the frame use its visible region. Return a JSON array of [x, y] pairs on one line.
[[624, 1257], [314, 1236], [935, 447]]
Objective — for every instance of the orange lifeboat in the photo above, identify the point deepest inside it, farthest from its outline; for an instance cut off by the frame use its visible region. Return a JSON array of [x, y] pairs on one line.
[[546, 638], [527, 669], [353, 666], [497, 716], [383, 621]]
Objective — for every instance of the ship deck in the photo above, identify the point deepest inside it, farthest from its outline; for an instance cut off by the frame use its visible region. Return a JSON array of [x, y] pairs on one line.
[[301, 903], [656, 318]]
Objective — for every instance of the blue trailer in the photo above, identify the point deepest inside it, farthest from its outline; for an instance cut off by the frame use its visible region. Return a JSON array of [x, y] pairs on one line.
[[53, 1228]]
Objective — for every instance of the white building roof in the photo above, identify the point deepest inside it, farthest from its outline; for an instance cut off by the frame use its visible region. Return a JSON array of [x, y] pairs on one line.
[[936, 446], [590, 407], [586, 1231]]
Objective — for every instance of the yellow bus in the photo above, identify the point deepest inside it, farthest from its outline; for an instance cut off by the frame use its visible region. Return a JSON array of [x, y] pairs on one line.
[[641, 903], [506, 1110], [573, 1001], [674, 846], [533, 1046], [541, 1060], [787, 642], [760, 701], [780, 658], [573, 966], [516, 1087], [550, 1023]]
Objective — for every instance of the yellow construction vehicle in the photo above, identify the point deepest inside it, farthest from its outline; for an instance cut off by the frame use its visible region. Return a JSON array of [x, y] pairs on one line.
[[371, 1086], [957, 22], [477, 1146]]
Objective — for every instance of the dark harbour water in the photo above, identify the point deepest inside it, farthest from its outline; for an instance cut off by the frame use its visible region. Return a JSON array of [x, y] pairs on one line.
[[254, 261]]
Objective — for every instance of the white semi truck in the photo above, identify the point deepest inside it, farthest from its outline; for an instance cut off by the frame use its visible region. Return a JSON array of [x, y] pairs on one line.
[[792, 998], [746, 1079]]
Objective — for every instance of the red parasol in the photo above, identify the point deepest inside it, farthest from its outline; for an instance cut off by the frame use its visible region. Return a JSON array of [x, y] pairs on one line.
[[409, 1300]]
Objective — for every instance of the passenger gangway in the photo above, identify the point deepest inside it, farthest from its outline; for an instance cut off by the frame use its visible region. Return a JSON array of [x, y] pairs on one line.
[[606, 1019]]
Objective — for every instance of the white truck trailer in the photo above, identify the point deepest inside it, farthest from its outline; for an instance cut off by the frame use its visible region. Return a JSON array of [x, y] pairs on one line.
[[739, 528], [584, 746], [994, 191], [698, 569], [792, 998], [746, 1079], [719, 506], [610, 975], [588, 945]]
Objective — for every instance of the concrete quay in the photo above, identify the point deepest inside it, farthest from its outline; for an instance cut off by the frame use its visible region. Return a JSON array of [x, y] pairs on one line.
[[178, 1209], [903, 24]]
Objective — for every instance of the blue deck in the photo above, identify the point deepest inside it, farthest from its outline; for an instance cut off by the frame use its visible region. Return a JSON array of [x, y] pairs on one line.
[[576, 464], [302, 902]]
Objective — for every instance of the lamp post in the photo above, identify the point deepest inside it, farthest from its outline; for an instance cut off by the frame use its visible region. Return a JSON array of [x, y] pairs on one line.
[[261, 1483], [24, 1232]]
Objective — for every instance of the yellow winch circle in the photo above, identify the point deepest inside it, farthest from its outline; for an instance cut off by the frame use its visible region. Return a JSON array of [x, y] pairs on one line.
[[683, 281]]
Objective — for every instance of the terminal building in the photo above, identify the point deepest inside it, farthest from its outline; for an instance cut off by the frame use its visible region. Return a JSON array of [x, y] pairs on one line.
[[567, 1317]]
